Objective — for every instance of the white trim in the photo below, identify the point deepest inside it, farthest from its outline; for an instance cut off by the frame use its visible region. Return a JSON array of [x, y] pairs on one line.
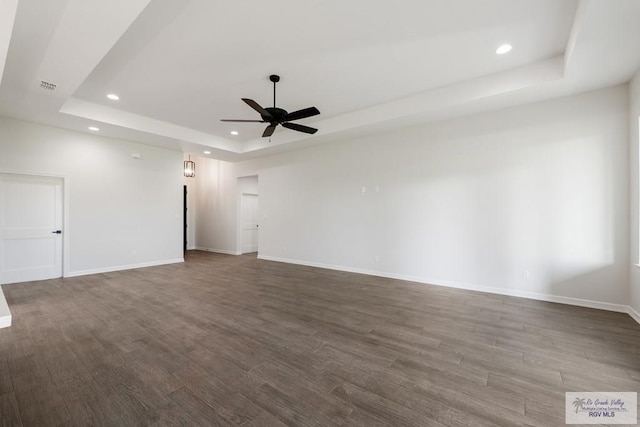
[[634, 314], [66, 229], [468, 286], [5, 314], [218, 251], [123, 267]]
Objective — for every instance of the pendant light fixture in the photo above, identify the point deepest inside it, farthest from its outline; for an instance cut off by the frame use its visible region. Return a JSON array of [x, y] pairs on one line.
[[189, 168]]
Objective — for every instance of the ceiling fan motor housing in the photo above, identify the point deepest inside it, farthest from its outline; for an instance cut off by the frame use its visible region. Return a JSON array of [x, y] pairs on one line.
[[277, 114]]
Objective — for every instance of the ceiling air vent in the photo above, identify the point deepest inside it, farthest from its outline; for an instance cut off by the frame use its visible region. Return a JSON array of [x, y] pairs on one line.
[[47, 85]]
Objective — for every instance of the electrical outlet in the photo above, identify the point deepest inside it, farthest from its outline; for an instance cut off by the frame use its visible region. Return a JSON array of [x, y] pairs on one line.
[[526, 274]]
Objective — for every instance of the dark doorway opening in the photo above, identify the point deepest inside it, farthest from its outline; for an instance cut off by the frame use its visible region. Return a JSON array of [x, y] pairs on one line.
[[184, 238]]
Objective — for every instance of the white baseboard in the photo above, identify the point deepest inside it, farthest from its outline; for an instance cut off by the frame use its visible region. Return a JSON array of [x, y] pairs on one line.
[[123, 267], [468, 286], [5, 314], [218, 251], [634, 314]]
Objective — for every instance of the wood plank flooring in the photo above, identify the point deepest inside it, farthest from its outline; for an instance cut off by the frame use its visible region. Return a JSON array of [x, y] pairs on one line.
[[224, 340]]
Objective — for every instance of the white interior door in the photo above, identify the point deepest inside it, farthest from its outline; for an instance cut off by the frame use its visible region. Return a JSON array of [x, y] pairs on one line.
[[249, 223], [30, 228]]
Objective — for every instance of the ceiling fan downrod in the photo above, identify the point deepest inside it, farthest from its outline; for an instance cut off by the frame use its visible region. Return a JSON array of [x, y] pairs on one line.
[[275, 79]]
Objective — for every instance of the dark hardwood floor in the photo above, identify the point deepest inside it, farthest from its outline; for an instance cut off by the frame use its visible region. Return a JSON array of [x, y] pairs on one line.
[[224, 340]]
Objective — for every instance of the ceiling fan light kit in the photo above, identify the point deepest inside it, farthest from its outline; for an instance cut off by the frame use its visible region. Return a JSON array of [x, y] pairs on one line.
[[277, 116]]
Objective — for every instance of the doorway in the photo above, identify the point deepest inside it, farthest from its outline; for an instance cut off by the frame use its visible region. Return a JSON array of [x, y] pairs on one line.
[[250, 224], [31, 235], [184, 221], [248, 215]]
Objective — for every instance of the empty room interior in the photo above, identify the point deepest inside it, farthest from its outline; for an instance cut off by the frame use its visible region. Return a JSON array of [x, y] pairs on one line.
[[413, 213]]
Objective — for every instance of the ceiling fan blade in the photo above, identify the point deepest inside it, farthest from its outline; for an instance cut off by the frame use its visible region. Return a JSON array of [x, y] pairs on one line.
[[242, 121], [269, 131], [301, 114], [253, 104], [299, 128]]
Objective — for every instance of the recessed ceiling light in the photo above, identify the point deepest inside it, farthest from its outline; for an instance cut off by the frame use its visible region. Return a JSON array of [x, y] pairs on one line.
[[234, 132], [113, 97], [93, 128], [502, 49], [207, 152]]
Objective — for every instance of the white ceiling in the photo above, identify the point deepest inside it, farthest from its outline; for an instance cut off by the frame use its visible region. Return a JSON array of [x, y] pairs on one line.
[[180, 67]]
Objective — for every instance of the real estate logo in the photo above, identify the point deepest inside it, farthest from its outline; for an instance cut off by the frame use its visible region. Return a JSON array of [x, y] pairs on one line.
[[601, 407]]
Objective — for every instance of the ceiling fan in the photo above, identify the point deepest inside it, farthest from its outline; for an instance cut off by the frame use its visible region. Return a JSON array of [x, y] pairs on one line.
[[277, 116]]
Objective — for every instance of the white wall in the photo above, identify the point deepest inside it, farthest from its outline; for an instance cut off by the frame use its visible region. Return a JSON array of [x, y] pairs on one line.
[[634, 123], [122, 212], [531, 200]]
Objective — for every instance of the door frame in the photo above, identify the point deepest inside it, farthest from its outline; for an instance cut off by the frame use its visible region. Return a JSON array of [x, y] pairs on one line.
[[65, 209]]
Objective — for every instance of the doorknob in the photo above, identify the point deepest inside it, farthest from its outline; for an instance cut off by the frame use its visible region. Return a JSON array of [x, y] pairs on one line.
[[57, 232]]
